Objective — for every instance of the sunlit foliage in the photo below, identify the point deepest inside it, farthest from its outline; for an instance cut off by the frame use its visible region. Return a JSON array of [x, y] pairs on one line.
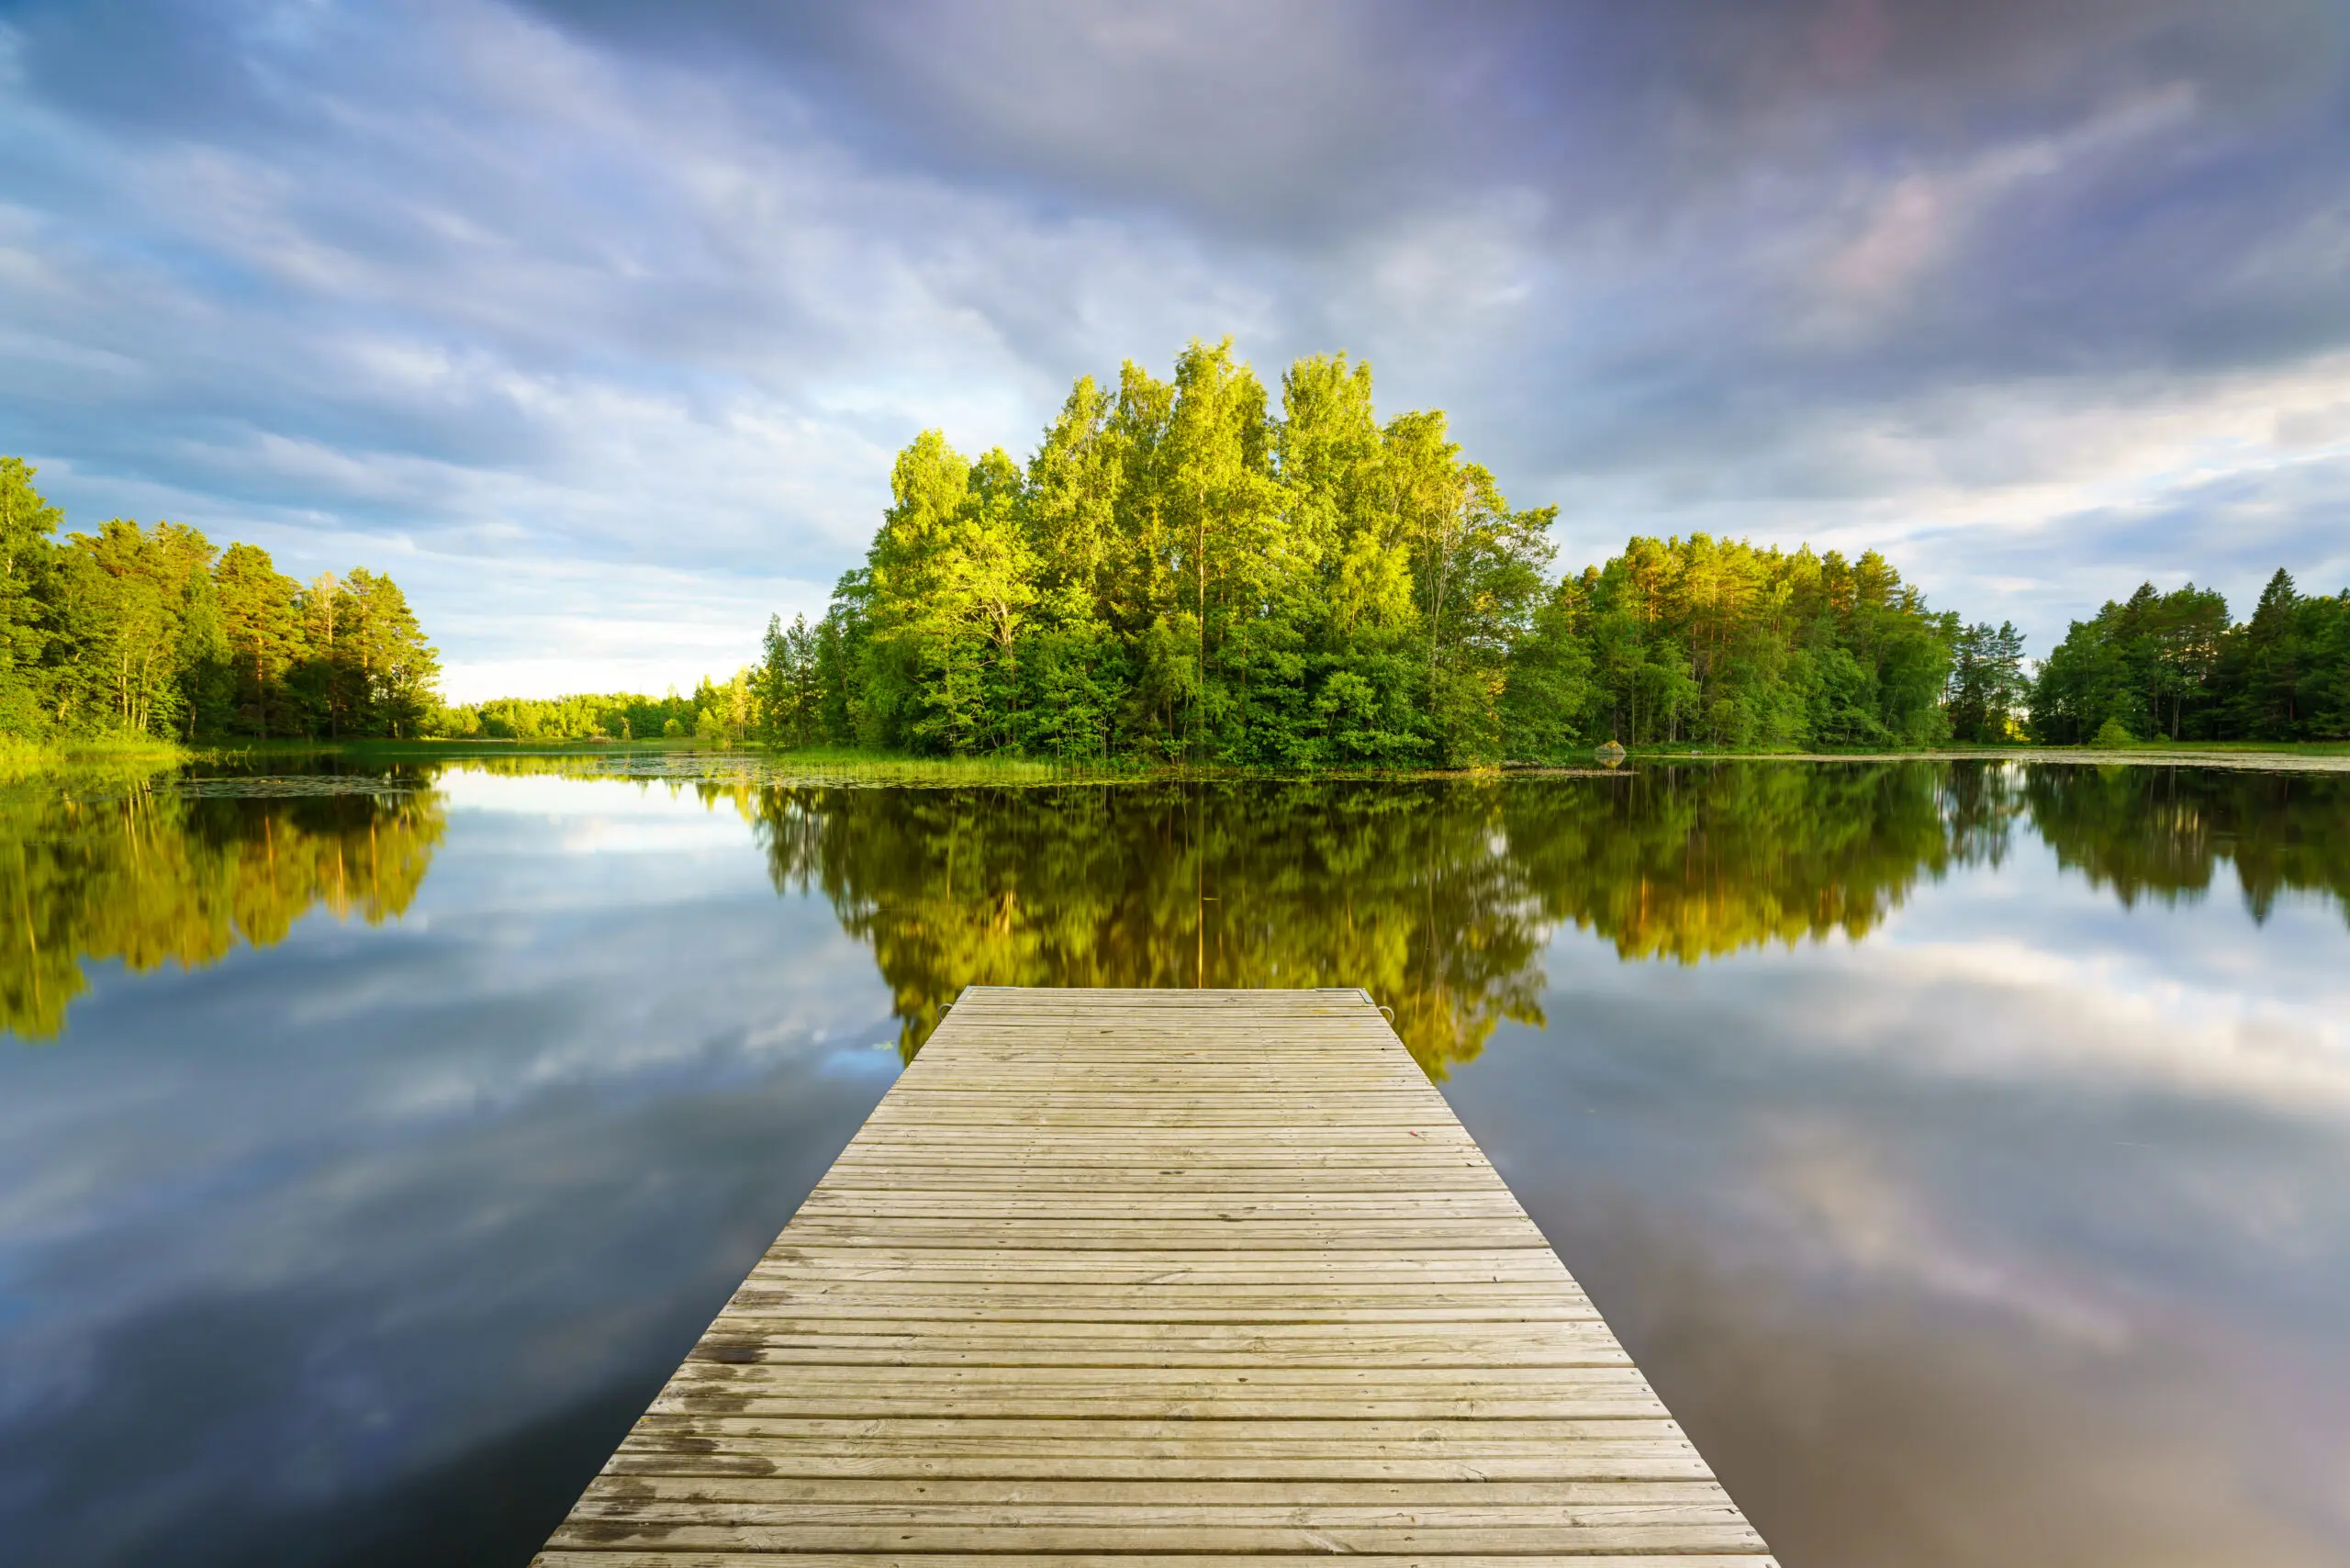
[[1719, 641], [2170, 667], [725, 714], [1198, 569], [136, 631]]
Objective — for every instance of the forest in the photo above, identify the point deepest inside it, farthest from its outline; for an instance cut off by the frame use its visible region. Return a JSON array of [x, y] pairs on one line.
[[728, 713], [1192, 569], [153, 631], [2170, 667], [1205, 570]]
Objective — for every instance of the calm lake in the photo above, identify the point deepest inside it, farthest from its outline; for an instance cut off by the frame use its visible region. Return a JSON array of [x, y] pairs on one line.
[[1962, 1149]]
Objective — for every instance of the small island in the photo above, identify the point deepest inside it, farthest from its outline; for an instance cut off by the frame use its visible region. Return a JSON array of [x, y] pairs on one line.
[[1192, 572]]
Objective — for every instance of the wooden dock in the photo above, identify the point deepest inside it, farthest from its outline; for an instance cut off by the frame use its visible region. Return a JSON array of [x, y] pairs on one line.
[[1157, 1277]]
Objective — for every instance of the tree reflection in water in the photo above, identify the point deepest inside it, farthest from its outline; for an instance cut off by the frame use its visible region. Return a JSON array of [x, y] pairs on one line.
[[1435, 896], [1405, 889], [145, 872], [1438, 897], [2162, 833]]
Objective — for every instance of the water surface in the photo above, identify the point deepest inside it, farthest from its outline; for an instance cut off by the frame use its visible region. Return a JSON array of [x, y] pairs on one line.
[[1964, 1150]]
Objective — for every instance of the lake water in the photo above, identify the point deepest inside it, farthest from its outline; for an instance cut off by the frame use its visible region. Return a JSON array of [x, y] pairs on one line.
[[1963, 1149]]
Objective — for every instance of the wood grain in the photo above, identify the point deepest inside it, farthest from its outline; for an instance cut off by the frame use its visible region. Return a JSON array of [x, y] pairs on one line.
[[1147, 1278]]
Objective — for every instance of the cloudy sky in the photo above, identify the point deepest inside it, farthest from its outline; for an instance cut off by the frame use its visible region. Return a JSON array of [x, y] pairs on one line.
[[597, 325]]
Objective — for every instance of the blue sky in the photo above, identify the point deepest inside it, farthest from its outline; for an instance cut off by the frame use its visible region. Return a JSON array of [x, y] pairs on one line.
[[597, 325]]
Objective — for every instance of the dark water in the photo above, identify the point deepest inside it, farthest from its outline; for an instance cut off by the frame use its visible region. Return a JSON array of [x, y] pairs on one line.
[[1964, 1150]]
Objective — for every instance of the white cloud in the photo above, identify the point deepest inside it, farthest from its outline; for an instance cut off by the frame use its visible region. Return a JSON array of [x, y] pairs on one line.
[[503, 292]]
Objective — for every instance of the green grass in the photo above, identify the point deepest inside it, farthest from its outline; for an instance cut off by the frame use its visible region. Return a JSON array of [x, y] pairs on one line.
[[16, 751], [2158, 747], [847, 765], [21, 759], [2279, 748], [683, 758], [751, 763], [2319, 756]]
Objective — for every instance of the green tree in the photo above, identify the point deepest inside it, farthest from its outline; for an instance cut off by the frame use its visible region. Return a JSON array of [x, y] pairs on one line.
[[123, 597], [264, 630], [146, 631], [2267, 664], [397, 670], [2169, 665], [2187, 629], [28, 522], [1987, 686], [787, 685], [1181, 570]]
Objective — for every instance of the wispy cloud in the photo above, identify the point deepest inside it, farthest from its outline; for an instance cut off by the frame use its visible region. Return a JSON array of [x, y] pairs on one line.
[[521, 301]]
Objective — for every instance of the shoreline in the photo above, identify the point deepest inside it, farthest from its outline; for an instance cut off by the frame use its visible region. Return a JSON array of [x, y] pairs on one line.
[[22, 760]]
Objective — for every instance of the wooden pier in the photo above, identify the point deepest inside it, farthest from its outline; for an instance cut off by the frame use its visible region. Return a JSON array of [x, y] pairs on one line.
[[1160, 1277]]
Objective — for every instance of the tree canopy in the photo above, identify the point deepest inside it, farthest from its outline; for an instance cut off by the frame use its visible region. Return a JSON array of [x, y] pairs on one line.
[[1200, 569], [2171, 666], [154, 632], [1195, 568]]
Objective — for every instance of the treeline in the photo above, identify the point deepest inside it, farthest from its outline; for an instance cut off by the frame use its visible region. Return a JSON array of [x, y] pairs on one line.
[[728, 713], [1190, 569], [1183, 569], [2170, 666], [1727, 646], [154, 632]]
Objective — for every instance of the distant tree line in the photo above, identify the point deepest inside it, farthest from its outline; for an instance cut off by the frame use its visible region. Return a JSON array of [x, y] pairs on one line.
[[728, 713], [1183, 569], [1194, 569], [135, 631], [2171, 666]]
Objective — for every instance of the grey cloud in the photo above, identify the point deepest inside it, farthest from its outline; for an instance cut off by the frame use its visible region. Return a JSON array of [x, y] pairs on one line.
[[1290, 114], [622, 284], [2228, 534]]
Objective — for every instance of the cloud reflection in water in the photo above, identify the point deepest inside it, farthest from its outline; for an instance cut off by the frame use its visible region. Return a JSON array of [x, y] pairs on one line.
[[1971, 1173]]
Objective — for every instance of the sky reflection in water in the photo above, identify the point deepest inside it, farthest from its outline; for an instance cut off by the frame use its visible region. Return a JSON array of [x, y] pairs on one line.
[[1961, 1155]]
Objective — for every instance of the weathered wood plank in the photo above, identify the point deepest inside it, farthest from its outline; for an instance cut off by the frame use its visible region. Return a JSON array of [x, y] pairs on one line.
[[1072, 1435], [793, 1533], [1151, 1278], [1200, 1495], [629, 1559], [1093, 1381], [1592, 1459], [1472, 1347]]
